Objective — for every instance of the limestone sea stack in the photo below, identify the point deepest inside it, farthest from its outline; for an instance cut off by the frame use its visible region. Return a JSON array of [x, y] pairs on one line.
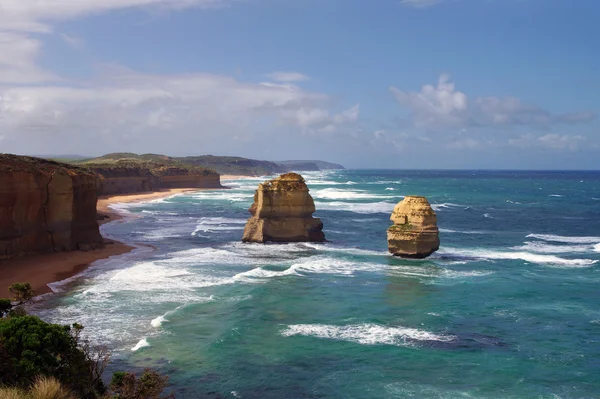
[[415, 233], [282, 212]]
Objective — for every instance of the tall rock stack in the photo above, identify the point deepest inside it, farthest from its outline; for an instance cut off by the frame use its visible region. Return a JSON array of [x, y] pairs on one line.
[[282, 212], [415, 233]]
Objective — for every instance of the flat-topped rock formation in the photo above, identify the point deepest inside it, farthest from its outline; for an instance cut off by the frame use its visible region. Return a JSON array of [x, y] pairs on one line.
[[46, 207], [126, 177], [282, 212], [415, 233]]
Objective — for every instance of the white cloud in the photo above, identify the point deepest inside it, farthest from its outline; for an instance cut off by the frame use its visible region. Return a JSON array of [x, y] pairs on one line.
[[288, 77], [38, 15], [73, 41], [435, 105], [419, 3], [127, 105], [551, 141], [321, 120], [20, 19], [18, 53], [445, 106]]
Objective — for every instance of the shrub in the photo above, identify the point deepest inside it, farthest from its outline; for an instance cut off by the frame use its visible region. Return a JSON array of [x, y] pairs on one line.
[[149, 386], [12, 393], [49, 388], [34, 348], [21, 292]]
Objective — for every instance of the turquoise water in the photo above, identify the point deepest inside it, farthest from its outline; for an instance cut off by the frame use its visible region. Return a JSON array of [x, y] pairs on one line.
[[508, 308]]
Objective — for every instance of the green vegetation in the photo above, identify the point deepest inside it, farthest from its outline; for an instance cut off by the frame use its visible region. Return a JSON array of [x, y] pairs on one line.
[[150, 385], [221, 164], [40, 360], [21, 292], [401, 227]]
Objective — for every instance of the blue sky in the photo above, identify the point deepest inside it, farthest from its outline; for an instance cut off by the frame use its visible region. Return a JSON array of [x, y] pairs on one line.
[[381, 83]]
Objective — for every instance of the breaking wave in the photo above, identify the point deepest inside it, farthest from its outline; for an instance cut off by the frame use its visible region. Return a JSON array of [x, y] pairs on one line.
[[551, 260], [574, 240], [370, 207], [366, 334]]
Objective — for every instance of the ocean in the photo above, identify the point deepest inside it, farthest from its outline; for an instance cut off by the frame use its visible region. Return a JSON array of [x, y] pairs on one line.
[[509, 307]]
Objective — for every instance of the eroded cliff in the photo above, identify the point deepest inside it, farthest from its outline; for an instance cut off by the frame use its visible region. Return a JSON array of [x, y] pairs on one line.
[[46, 206], [125, 177], [282, 212], [415, 232]]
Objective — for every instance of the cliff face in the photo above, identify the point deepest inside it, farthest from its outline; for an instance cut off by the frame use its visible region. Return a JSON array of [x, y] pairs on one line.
[[125, 178], [282, 212], [415, 233], [45, 207]]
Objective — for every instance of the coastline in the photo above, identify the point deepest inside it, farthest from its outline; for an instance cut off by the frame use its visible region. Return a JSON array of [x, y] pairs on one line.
[[42, 269]]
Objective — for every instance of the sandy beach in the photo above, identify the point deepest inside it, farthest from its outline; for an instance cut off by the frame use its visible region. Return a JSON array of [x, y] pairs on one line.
[[40, 270], [104, 203]]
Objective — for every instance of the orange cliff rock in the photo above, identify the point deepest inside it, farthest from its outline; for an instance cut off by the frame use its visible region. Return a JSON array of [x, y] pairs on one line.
[[415, 233], [46, 207], [282, 212]]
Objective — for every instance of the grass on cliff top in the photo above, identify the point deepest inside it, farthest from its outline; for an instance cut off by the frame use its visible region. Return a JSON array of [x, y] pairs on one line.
[[220, 164], [11, 162], [162, 168]]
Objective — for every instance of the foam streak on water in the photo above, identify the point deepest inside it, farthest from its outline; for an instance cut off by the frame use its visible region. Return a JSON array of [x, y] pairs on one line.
[[366, 334]]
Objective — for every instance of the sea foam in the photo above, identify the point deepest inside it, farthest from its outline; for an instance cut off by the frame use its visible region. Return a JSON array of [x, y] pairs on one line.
[[340, 194], [551, 260], [366, 334], [143, 343], [574, 240], [371, 207]]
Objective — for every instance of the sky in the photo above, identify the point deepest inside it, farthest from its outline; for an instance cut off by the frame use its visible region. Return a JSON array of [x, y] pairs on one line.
[[460, 84]]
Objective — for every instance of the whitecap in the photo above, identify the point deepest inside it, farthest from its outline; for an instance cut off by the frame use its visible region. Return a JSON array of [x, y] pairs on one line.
[[461, 231], [487, 215], [366, 334], [551, 260], [574, 240], [340, 194], [556, 195], [157, 322], [445, 205], [370, 207], [390, 189], [542, 247], [597, 247], [143, 343]]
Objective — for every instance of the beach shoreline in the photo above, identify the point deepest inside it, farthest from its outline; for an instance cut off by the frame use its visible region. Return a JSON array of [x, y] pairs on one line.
[[40, 270]]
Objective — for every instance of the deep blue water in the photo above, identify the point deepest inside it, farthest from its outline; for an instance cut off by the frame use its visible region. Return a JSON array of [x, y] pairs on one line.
[[508, 308]]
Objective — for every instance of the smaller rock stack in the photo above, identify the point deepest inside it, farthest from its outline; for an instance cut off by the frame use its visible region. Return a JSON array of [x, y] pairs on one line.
[[282, 212], [415, 233]]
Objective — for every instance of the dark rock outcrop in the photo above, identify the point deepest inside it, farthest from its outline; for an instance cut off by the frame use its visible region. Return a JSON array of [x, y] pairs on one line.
[[415, 233], [282, 212], [46, 206]]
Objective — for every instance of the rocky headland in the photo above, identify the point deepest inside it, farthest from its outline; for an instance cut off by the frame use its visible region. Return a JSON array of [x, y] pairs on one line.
[[282, 212], [126, 177], [46, 206], [415, 232]]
